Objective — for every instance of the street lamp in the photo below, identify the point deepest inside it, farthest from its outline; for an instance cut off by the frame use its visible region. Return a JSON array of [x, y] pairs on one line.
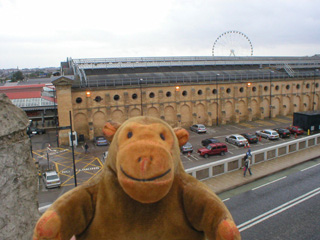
[[140, 82], [270, 79], [314, 87], [217, 110]]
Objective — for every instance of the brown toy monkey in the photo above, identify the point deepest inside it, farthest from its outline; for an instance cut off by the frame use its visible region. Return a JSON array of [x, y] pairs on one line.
[[142, 193]]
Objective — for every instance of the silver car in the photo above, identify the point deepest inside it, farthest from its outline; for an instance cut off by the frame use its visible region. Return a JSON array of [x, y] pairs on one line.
[[198, 128], [237, 140], [51, 179], [268, 134], [187, 148]]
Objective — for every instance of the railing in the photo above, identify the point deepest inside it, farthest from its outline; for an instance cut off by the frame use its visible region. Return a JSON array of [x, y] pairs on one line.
[[234, 163], [189, 79]]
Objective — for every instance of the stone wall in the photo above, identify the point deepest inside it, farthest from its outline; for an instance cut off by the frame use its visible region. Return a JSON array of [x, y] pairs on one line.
[[18, 175]]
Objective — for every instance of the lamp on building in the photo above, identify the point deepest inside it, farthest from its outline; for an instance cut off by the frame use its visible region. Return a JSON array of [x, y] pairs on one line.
[[88, 94], [217, 110], [316, 71], [270, 80], [177, 88], [140, 82]]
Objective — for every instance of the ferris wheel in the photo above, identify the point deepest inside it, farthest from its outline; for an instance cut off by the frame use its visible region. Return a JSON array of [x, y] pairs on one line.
[[232, 43]]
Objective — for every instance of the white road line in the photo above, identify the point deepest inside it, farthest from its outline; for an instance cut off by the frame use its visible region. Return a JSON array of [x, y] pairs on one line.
[[268, 183], [278, 210], [309, 167], [44, 208], [224, 200]]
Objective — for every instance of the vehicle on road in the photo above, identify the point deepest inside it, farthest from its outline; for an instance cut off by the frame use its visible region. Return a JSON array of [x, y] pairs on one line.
[[283, 132], [207, 141], [252, 138], [100, 141], [213, 149], [198, 128], [35, 131], [51, 179], [187, 148], [237, 140], [268, 134], [296, 130]]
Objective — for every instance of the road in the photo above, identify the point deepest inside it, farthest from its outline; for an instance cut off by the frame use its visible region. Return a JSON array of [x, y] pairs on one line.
[[282, 206]]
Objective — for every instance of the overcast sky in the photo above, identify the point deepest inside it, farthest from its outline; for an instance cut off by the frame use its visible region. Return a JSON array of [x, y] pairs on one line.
[[42, 33]]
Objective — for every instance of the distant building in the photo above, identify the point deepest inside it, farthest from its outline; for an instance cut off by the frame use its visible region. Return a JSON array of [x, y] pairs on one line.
[[184, 90]]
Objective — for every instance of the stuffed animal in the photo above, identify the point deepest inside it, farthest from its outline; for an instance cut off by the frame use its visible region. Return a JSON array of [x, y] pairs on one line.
[[142, 193]]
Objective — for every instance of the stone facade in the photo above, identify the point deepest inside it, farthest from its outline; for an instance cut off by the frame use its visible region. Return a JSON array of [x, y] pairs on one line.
[[209, 104], [18, 175]]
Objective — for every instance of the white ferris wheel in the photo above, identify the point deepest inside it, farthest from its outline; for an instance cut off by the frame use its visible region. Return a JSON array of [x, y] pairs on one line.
[[232, 43]]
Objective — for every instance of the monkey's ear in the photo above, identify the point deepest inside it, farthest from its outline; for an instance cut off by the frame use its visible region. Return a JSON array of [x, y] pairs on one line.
[[109, 129], [182, 135]]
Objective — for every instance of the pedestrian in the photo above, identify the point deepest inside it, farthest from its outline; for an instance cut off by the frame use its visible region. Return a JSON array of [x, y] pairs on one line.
[[86, 147], [247, 166]]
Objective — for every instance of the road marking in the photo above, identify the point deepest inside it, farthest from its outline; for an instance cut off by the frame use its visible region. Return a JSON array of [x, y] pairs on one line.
[[44, 208], [268, 183], [265, 123], [278, 210], [224, 200], [309, 167]]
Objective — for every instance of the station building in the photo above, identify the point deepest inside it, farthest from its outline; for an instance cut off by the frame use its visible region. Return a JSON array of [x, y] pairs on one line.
[[183, 90]]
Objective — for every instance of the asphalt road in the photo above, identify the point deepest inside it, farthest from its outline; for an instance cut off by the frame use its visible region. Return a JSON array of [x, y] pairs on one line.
[[282, 206]]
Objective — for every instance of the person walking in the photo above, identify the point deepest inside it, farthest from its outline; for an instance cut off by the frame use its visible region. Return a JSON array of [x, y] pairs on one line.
[[86, 147], [247, 166]]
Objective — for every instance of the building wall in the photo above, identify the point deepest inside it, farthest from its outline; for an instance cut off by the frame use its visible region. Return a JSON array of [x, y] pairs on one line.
[[234, 102]]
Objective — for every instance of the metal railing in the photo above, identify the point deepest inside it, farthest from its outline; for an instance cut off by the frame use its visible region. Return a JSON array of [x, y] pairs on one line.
[[216, 168], [220, 76]]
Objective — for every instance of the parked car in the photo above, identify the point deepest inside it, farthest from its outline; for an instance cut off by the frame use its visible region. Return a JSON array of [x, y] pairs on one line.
[[187, 148], [51, 179], [283, 132], [35, 131], [268, 134], [198, 128], [100, 141], [237, 140], [296, 130], [207, 141], [252, 138], [213, 149]]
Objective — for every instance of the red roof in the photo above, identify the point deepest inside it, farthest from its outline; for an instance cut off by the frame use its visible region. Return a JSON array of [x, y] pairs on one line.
[[23, 91]]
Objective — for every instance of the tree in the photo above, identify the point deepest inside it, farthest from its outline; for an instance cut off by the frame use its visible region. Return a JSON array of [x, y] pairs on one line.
[[17, 76]]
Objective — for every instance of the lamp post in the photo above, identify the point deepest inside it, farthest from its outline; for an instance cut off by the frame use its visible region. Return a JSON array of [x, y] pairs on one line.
[[217, 109], [270, 80], [314, 87], [140, 81]]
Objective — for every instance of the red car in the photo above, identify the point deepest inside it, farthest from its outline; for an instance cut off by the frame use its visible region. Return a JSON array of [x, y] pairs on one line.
[[296, 130], [213, 149]]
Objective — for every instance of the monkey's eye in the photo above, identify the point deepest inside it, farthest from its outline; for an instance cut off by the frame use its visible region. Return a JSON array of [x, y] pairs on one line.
[[162, 136], [129, 135]]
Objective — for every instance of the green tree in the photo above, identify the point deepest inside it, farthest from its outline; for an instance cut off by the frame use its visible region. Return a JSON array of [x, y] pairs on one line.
[[17, 76]]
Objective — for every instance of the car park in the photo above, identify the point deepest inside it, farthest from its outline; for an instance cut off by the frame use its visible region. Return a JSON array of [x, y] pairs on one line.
[[100, 141], [296, 130], [237, 140], [283, 132], [198, 128], [187, 148], [252, 138], [207, 141], [51, 179], [213, 149], [268, 134]]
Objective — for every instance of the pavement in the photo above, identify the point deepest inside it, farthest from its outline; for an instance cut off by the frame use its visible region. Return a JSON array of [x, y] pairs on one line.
[[235, 179]]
